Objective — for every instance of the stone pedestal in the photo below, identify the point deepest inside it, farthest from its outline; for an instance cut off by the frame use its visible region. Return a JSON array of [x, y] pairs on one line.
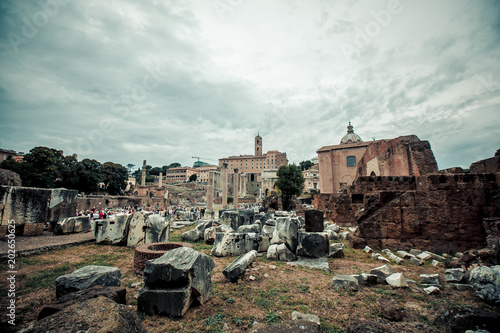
[[314, 220]]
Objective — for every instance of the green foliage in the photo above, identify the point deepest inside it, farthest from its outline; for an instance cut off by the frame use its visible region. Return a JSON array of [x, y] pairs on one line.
[[497, 153], [290, 182], [304, 289], [306, 165], [193, 177], [42, 167], [273, 317], [114, 177], [215, 323]]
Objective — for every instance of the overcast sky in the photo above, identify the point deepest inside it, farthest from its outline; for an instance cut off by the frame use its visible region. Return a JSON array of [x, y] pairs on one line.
[[125, 81]]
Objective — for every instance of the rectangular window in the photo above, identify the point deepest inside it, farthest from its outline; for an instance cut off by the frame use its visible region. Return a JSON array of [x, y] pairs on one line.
[[351, 161]]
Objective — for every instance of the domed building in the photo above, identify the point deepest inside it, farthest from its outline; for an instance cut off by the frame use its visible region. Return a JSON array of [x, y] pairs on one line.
[[350, 137]]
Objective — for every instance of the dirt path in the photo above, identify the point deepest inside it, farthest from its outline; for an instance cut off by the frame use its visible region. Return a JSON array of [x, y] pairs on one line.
[[44, 242]]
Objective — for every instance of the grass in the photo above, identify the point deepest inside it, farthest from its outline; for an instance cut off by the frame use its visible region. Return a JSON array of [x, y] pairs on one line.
[[269, 299]]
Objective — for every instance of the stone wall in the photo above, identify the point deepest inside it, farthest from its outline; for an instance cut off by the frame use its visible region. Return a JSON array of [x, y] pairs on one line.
[[108, 201], [490, 165], [35, 205], [9, 178], [443, 213], [402, 156]]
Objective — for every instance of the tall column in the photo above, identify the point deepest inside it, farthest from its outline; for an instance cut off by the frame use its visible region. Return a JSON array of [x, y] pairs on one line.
[[236, 192], [224, 185], [143, 179], [161, 180], [243, 180], [210, 191]]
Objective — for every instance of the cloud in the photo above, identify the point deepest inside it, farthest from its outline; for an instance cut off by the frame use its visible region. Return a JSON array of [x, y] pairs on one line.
[[164, 81]]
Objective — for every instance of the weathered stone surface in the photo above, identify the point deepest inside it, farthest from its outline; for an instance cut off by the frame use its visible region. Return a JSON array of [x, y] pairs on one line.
[[157, 230], [344, 235], [314, 220], [390, 309], [416, 261], [396, 280], [117, 294], [234, 244], [230, 218], [458, 320], [345, 282], [425, 256], [366, 279], [264, 242], [307, 317], [9, 178], [316, 263], [245, 217], [250, 228], [87, 277], [296, 326], [137, 226], [461, 286], [286, 231], [173, 281], [238, 266], [332, 235], [382, 273], [280, 252], [313, 244], [196, 233], [211, 232], [336, 250], [486, 283], [431, 290], [73, 224], [112, 232], [92, 315], [430, 279]]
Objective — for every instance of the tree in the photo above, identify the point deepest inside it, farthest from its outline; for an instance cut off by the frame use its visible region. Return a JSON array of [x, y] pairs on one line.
[[90, 172], [497, 153], [290, 182], [305, 165], [193, 177], [173, 165], [42, 167], [155, 171], [130, 166], [114, 177]]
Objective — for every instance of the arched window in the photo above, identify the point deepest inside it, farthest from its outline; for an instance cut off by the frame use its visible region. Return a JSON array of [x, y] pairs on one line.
[[351, 161]]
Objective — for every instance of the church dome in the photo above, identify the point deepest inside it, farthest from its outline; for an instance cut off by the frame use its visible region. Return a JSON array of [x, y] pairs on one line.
[[350, 137]]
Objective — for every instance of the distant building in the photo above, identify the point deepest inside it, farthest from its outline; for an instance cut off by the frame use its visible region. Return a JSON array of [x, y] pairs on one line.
[[311, 177], [255, 163], [203, 176], [6, 154], [180, 174]]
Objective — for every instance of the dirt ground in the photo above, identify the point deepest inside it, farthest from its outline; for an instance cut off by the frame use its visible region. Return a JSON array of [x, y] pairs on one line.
[[275, 292]]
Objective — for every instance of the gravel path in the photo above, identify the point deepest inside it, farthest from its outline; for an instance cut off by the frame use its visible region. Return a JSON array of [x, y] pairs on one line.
[[46, 241]]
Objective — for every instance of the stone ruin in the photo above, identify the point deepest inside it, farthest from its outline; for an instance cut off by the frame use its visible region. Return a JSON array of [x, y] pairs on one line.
[[32, 207], [132, 230], [438, 212]]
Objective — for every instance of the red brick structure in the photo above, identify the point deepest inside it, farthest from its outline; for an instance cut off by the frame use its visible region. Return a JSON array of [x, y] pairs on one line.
[[402, 156]]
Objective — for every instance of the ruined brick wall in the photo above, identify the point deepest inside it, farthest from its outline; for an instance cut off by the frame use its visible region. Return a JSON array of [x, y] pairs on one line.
[[402, 156], [490, 165], [108, 201], [443, 213], [336, 207]]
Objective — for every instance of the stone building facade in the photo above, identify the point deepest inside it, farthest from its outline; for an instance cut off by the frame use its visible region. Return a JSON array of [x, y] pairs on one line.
[[339, 165], [180, 174]]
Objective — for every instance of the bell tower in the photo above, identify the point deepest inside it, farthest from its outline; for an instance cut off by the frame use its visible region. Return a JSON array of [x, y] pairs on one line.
[[258, 145]]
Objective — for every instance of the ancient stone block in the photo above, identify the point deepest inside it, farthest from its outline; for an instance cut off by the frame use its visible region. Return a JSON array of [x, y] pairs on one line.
[[73, 224], [454, 275], [382, 273], [173, 281], [280, 252], [238, 266], [313, 244], [429, 279], [396, 280], [145, 227], [345, 282], [486, 283], [98, 314], [86, 277], [112, 232], [234, 244], [211, 232], [286, 232], [314, 220], [336, 250]]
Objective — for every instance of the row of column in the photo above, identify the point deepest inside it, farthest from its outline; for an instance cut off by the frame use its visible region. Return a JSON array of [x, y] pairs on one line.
[[210, 188]]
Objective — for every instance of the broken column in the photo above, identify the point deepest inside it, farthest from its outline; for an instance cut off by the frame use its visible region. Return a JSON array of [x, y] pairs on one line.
[[314, 220], [236, 191], [174, 281], [224, 185], [143, 178], [237, 267], [160, 181], [210, 191]]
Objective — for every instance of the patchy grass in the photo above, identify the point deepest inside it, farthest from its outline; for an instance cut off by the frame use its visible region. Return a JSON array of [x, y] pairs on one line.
[[269, 299]]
